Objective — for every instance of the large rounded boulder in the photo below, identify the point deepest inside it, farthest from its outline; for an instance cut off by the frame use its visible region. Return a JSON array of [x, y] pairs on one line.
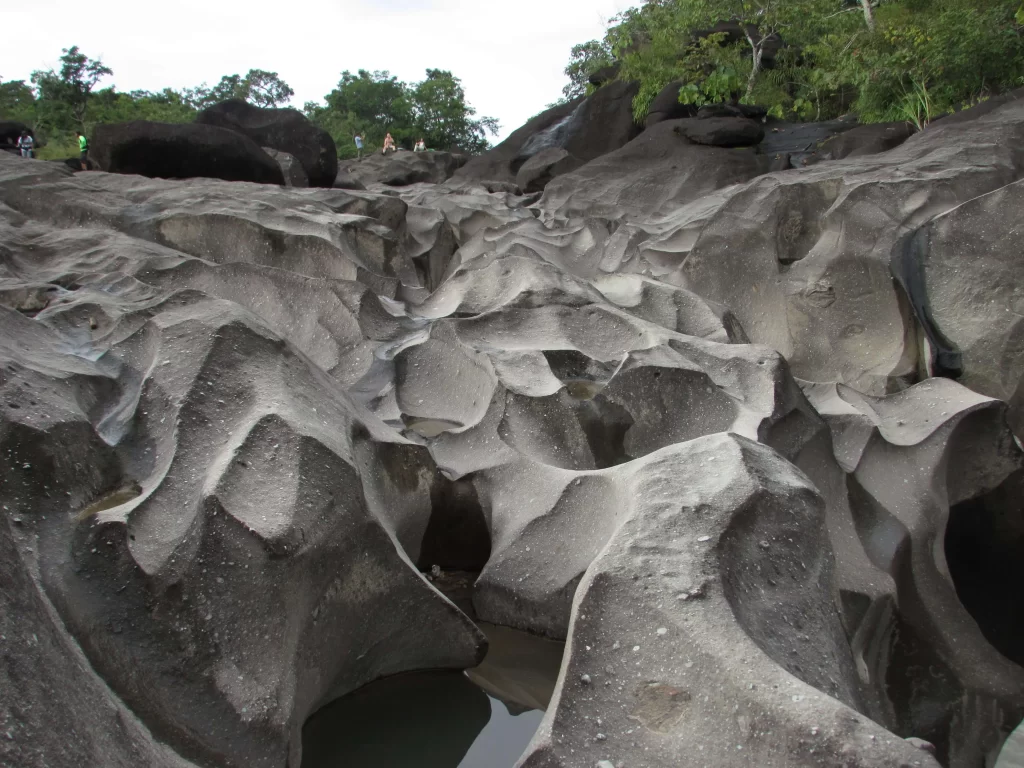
[[10, 132], [286, 130], [182, 151]]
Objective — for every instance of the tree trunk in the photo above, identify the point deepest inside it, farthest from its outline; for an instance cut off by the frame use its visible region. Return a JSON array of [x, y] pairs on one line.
[[755, 69], [869, 15]]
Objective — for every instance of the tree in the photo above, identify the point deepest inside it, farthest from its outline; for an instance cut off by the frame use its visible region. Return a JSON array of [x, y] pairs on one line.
[[444, 119], [369, 103], [64, 96], [885, 59], [258, 87], [584, 60], [167, 106], [266, 89], [17, 102], [376, 103]]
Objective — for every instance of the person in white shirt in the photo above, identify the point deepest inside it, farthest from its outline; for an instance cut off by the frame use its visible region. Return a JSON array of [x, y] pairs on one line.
[[420, 146], [26, 144]]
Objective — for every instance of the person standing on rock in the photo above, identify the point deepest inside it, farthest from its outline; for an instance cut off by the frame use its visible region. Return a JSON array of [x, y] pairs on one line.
[[389, 145], [420, 146], [83, 149], [25, 144], [359, 146]]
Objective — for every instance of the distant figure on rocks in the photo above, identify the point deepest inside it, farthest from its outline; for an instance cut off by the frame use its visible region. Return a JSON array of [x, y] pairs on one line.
[[420, 146], [359, 146], [389, 145], [25, 144], [83, 149]]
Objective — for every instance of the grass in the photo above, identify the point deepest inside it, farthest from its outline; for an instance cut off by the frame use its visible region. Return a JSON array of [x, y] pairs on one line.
[[58, 148], [916, 106]]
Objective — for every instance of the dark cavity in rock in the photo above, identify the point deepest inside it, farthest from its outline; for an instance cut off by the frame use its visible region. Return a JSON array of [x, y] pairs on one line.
[[442, 719]]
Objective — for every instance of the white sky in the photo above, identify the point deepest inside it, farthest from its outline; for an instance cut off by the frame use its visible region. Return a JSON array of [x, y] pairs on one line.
[[509, 55]]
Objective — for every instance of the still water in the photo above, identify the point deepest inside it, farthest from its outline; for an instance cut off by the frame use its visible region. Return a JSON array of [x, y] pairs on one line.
[[482, 719]]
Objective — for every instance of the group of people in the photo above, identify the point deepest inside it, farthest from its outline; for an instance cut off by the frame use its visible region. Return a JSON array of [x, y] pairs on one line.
[[27, 145], [389, 145]]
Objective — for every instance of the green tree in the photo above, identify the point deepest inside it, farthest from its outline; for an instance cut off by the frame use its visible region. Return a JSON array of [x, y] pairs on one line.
[[885, 59], [376, 103], [63, 97], [17, 102], [584, 60], [167, 106], [444, 119], [266, 89], [370, 103], [257, 86]]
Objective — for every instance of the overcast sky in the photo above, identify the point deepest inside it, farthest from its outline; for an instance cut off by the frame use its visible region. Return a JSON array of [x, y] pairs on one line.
[[509, 55]]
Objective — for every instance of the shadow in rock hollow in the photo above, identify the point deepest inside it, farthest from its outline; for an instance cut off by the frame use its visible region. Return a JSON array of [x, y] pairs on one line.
[[985, 553], [442, 719], [422, 719]]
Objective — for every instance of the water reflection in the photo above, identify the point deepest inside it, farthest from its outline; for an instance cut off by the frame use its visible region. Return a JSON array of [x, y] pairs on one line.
[[441, 719]]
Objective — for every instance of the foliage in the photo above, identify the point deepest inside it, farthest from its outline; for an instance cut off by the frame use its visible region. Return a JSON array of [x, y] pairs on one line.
[[259, 87], [17, 101], [584, 60], [884, 59], [64, 96], [60, 102], [376, 103]]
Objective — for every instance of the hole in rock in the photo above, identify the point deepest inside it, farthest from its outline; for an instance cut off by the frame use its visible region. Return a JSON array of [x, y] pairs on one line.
[[457, 536], [985, 554], [605, 424], [572, 366], [483, 718], [923, 692]]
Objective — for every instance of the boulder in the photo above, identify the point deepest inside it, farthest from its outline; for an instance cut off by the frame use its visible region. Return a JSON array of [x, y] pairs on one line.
[[536, 172], [722, 131], [797, 143], [294, 175], [402, 168], [864, 140], [605, 74], [653, 175], [586, 129], [496, 163], [181, 151], [961, 273], [345, 180], [75, 164], [733, 32], [286, 130], [749, 111], [10, 132], [601, 124], [666, 106], [712, 650]]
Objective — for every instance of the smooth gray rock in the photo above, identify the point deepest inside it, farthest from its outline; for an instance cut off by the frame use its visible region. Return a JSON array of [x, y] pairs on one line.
[[402, 168], [722, 131], [294, 175], [338, 388], [708, 628], [536, 172]]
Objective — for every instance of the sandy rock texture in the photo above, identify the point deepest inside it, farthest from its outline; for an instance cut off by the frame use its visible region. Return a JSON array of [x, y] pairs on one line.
[[747, 439]]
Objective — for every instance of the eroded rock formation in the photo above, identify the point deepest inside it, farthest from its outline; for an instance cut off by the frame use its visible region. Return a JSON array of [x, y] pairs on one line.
[[677, 409]]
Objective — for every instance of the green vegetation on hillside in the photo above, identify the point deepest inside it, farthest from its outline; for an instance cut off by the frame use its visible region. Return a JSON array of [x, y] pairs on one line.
[[58, 102], [882, 59], [375, 103]]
